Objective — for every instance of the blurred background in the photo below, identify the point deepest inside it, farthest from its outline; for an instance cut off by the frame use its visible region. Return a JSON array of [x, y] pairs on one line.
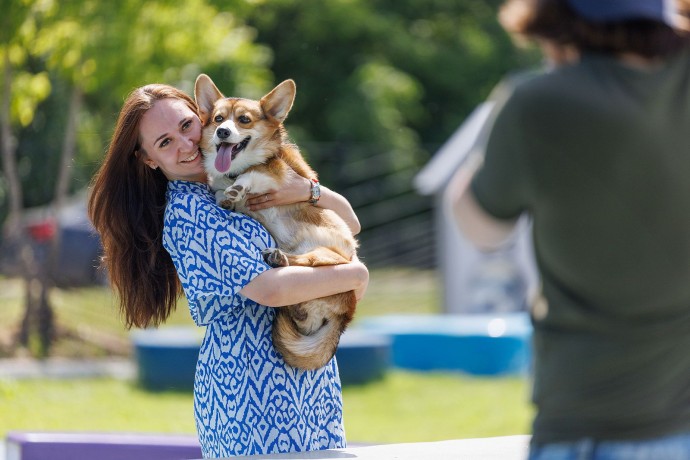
[[382, 87]]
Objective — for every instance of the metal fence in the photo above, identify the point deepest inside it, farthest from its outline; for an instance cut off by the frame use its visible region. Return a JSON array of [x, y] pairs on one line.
[[397, 222]]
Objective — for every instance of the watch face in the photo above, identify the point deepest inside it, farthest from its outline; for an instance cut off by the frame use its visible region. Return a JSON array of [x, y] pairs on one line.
[[315, 192]]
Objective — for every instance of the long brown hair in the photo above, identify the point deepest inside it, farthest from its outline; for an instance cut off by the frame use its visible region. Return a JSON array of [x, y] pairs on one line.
[[126, 207]]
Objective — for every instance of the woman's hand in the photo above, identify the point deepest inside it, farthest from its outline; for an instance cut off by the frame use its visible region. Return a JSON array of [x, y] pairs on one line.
[[295, 189], [361, 289]]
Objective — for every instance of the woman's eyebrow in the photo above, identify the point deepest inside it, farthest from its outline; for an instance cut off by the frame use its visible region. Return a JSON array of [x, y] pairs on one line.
[[165, 134], [159, 138]]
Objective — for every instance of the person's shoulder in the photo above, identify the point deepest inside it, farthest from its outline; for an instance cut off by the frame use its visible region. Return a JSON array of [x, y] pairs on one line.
[[511, 82], [527, 84], [517, 90], [549, 78], [189, 197], [551, 86]]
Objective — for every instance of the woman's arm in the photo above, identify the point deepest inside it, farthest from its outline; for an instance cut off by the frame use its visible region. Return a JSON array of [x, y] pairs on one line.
[[294, 284], [297, 189], [339, 204]]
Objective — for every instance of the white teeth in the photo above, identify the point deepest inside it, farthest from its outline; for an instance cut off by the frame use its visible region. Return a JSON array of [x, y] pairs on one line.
[[192, 158]]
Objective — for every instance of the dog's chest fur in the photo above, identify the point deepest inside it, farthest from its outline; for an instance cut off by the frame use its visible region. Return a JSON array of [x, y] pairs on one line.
[[287, 224]]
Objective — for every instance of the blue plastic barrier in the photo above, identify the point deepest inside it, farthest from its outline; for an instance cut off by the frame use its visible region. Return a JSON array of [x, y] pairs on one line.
[[362, 356], [480, 344], [166, 358]]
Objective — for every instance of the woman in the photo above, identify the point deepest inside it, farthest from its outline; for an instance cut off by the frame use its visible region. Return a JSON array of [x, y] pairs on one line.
[[597, 152], [162, 231]]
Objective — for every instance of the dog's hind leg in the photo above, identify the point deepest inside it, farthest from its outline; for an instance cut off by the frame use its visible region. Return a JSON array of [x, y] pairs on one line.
[[318, 257], [275, 257]]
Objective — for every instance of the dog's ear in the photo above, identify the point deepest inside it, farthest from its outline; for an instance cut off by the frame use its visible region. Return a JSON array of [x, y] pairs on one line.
[[278, 102], [205, 95]]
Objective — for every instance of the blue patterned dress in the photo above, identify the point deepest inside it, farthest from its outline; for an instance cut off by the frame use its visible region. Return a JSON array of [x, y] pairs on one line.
[[247, 401]]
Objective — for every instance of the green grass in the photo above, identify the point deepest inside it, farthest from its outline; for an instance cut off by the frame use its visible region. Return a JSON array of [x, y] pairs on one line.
[[418, 407], [403, 407], [91, 405]]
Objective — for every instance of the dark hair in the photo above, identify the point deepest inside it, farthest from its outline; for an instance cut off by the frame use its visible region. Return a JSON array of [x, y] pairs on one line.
[[126, 207], [556, 21]]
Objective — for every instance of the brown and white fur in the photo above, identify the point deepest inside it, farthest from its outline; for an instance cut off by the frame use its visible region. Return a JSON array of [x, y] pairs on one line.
[[245, 151]]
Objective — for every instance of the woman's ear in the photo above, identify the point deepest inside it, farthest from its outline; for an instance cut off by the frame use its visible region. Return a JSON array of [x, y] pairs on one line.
[[140, 154]]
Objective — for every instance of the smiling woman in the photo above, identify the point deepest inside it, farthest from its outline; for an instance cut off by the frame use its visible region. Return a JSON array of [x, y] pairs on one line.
[[162, 231]]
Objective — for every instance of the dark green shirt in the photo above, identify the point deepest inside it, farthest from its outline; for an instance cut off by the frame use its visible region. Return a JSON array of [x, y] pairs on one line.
[[599, 154]]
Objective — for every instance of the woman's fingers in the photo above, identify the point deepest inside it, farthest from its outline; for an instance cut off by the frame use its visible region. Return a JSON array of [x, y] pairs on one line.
[[260, 201]]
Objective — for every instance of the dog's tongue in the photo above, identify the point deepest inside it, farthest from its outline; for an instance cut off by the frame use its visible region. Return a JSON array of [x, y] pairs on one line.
[[223, 158]]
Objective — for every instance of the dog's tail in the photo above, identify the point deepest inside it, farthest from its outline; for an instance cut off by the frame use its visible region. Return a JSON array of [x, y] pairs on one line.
[[309, 351]]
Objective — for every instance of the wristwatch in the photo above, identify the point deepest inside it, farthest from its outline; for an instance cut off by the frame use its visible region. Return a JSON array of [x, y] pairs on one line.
[[315, 191]]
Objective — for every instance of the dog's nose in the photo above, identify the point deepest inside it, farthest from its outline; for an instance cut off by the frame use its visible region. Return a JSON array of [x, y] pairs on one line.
[[223, 133]]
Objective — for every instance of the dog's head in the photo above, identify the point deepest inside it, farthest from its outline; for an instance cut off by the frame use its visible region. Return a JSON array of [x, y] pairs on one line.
[[239, 133]]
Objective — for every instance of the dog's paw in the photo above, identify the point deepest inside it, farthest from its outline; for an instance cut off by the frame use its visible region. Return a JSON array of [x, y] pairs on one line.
[[235, 193], [222, 201], [227, 204], [275, 257]]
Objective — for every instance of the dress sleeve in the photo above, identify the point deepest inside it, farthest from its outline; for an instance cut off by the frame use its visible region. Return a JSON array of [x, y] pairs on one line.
[[500, 186], [214, 259]]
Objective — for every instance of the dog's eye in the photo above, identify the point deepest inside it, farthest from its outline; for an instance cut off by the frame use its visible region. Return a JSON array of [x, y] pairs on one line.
[[244, 119], [218, 118]]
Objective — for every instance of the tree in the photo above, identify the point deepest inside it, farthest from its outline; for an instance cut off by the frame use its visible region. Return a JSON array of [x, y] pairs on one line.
[[95, 52], [21, 93]]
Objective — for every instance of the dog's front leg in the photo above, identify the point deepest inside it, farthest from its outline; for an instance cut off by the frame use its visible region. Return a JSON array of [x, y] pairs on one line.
[[222, 200], [238, 191], [219, 185], [250, 182]]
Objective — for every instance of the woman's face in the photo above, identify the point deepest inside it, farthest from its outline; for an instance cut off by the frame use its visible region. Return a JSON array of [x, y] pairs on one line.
[[170, 133]]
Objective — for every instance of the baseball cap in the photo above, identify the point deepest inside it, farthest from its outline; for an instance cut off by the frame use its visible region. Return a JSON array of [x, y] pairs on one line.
[[621, 10]]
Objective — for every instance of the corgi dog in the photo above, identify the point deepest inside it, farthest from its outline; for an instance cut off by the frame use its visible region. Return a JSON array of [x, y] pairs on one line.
[[246, 150]]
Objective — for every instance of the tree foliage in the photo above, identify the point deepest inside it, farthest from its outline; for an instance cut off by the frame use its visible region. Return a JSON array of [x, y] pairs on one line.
[[400, 75], [397, 74], [105, 49]]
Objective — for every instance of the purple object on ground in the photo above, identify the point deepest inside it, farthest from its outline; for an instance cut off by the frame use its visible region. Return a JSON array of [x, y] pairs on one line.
[[22, 445]]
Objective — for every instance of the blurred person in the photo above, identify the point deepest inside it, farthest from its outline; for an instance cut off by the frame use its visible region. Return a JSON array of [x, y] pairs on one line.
[[596, 151], [162, 231]]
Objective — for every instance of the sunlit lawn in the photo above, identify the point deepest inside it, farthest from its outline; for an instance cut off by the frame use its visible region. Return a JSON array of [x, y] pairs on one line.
[[414, 407], [403, 407]]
